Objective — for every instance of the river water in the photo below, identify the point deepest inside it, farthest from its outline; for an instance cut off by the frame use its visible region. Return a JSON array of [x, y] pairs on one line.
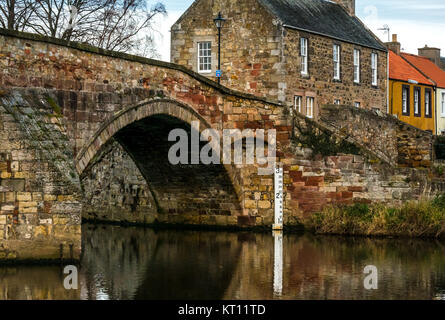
[[138, 263]]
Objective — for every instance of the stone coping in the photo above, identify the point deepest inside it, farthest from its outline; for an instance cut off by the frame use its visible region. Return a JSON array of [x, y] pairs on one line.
[[373, 114]]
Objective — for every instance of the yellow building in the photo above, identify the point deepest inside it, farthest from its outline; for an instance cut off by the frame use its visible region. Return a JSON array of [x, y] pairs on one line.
[[411, 95], [437, 75]]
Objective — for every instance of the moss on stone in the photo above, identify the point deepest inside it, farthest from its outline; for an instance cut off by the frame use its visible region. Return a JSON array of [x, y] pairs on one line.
[[54, 106]]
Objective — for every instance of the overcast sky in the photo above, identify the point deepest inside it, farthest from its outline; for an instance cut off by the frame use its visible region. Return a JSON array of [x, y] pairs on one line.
[[416, 22]]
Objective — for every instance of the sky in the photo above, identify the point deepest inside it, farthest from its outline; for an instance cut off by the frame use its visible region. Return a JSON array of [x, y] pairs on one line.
[[417, 23]]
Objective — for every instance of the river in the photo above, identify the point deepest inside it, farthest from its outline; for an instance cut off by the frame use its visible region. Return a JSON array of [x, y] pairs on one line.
[[140, 263]]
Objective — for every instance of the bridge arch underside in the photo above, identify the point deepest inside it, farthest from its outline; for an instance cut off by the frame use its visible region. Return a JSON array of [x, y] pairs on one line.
[[132, 180]]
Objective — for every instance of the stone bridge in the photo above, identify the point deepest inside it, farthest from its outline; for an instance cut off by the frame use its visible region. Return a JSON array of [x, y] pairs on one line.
[[85, 131]]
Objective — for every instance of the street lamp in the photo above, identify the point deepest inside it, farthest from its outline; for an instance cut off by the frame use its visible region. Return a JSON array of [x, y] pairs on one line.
[[219, 22]]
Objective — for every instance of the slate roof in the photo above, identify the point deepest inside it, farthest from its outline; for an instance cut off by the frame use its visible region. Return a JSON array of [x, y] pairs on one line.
[[325, 18], [400, 69], [427, 67]]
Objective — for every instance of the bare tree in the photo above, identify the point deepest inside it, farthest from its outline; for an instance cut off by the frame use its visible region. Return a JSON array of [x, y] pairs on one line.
[[122, 21], [59, 18], [121, 25], [15, 14]]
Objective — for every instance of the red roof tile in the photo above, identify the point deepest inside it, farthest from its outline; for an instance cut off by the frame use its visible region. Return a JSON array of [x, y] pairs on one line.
[[400, 69], [429, 68]]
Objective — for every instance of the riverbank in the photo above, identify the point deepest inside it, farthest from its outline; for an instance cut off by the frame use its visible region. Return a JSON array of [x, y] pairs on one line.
[[422, 219]]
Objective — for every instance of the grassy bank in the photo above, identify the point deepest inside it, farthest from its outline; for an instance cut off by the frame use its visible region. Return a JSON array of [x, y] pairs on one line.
[[414, 219]]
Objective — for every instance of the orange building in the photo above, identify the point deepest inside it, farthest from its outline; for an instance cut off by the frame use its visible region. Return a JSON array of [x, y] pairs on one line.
[[437, 75], [411, 94]]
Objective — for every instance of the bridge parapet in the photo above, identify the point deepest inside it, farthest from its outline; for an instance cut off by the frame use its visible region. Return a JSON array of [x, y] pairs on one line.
[[390, 139]]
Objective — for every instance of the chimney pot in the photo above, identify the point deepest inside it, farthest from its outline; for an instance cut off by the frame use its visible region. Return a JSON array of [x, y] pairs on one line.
[[394, 45]]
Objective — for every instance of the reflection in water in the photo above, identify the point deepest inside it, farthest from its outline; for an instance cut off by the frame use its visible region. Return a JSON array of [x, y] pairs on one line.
[[136, 263], [34, 283], [278, 263]]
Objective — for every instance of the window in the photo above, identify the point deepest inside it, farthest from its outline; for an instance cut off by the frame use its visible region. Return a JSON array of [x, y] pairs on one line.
[[356, 66], [374, 68], [337, 101], [405, 100], [417, 112], [303, 53], [357, 104], [336, 62], [310, 107], [443, 104], [298, 101], [428, 103], [204, 57]]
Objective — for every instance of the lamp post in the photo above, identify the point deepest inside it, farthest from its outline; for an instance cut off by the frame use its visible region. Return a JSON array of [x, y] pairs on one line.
[[219, 22]]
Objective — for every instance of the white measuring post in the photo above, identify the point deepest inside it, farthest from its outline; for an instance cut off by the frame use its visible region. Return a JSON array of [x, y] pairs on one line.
[[278, 263], [279, 197], [278, 230]]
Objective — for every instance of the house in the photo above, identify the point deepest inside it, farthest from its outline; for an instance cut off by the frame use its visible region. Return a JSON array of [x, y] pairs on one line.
[[301, 52], [437, 76], [411, 94]]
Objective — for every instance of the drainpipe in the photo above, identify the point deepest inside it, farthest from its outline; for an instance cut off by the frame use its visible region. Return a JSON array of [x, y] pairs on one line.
[[435, 113], [387, 84], [392, 97], [433, 151]]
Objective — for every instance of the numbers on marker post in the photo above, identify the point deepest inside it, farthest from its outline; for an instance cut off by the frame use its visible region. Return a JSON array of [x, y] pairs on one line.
[[279, 198]]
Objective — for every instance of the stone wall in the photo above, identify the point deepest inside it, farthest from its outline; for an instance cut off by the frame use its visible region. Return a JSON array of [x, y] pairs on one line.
[[39, 186], [114, 188], [319, 82], [324, 175], [346, 179], [391, 140], [251, 45]]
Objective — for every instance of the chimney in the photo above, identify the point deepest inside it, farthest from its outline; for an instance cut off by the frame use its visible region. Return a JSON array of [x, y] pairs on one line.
[[394, 45], [349, 5], [431, 53]]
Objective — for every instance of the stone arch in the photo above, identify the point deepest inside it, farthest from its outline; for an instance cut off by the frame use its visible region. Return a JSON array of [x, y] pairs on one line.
[[123, 126], [130, 115]]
